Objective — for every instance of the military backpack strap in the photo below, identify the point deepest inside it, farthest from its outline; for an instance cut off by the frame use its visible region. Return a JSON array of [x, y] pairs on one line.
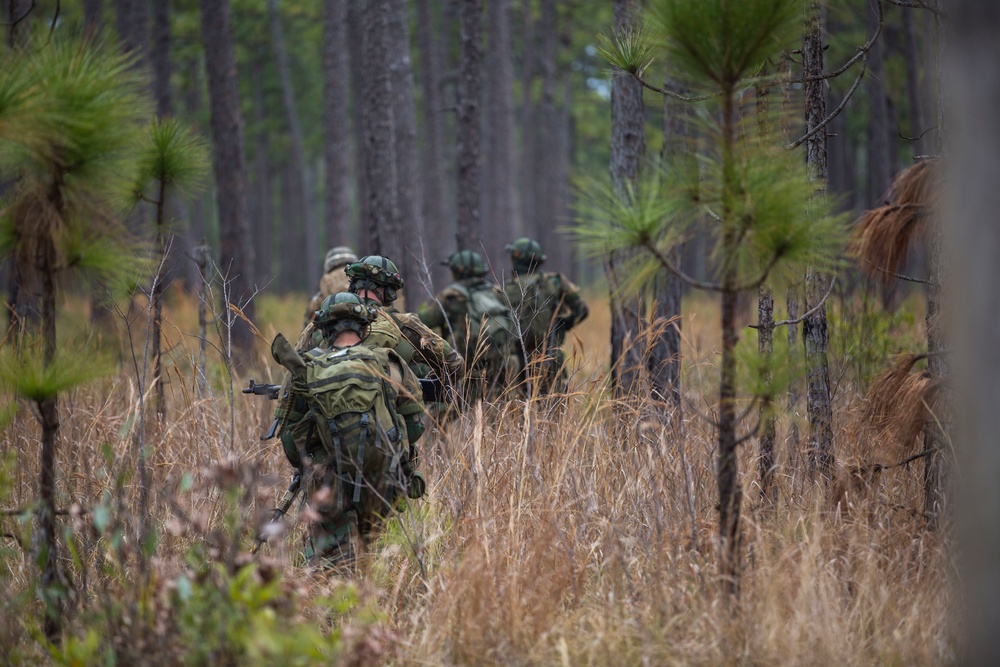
[[359, 475]]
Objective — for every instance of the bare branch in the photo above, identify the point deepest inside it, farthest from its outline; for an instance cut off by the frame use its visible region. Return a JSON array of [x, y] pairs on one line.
[[812, 310], [836, 112], [672, 268], [919, 4], [911, 279]]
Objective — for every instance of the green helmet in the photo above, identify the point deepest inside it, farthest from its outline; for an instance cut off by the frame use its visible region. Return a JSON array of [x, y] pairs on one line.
[[338, 256], [344, 312], [466, 264], [525, 253], [373, 272]]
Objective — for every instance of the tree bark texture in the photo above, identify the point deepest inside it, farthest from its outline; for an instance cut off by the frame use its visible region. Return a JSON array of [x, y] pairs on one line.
[[467, 159], [313, 254], [436, 221], [408, 195], [336, 123], [766, 458], [628, 145], [160, 58], [819, 404], [499, 175], [380, 150], [263, 213], [359, 92], [911, 57], [528, 112], [665, 354], [548, 188], [236, 255], [974, 160]]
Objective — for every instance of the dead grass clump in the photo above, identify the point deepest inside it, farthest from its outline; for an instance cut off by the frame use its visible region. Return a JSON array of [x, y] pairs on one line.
[[898, 405]]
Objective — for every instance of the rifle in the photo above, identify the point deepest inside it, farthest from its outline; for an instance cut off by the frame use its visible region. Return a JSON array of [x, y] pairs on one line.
[[271, 391], [281, 509]]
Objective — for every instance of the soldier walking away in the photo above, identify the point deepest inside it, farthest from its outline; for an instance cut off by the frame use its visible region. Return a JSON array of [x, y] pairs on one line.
[[546, 305], [334, 279], [347, 431], [473, 314]]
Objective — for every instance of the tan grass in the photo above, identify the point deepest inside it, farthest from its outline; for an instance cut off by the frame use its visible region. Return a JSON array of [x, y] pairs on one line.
[[552, 533]]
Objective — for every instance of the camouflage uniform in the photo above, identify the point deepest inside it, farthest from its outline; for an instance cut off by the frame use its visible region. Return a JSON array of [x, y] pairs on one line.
[[547, 305], [493, 361], [333, 281], [342, 517]]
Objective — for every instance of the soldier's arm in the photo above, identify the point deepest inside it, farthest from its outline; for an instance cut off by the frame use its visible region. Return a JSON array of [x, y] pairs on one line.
[[431, 314], [434, 350], [574, 309]]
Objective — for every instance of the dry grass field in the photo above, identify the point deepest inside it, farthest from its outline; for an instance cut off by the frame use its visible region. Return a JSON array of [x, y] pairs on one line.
[[579, 532]]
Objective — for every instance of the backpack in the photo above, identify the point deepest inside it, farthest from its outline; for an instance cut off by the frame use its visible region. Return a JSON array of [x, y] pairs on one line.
[[351, 424], [488, 316], [534, 298]]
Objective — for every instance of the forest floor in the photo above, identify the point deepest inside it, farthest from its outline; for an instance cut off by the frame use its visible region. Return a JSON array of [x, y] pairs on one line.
[[579, 532]]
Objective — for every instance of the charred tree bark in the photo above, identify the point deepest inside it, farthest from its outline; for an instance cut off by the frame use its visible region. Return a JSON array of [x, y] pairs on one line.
[[467, 158], [408, 199], [380, 150], [814, 328], [313, 256], [236, 256], [436, 220], [359, 93], [336, 122], [628, 145]]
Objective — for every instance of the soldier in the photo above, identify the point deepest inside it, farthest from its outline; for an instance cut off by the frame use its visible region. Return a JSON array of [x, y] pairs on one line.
[[334, 279], [347, 431], [546, 305], [473, 315]]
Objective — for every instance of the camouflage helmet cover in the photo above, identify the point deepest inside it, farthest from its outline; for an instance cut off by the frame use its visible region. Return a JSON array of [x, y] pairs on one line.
[[372, 272], [525, 250], [344, 312], [465, 264], [339, 256]]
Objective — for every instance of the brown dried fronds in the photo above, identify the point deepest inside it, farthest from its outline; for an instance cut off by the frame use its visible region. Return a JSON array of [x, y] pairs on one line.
[[884, 235], [899, 403]]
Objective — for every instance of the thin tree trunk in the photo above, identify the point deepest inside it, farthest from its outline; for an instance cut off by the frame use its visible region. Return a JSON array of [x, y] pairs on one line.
[[409, 206], [911, 57], [359, 94], [236, 256], [336, 119], [436, 219], [48, 409], [499, 177], [546, 179], [665, 354], [312, 255], [380, 153], [467, 159], [879, 159], [263, 210], [767, 460], [814, 328], [628, 145], [529, 131]]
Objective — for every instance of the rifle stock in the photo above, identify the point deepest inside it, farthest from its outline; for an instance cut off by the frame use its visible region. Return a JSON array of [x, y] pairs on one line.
[[281, 509]]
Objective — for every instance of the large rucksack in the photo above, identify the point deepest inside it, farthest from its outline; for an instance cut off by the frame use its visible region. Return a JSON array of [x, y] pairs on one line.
[[534, 299], [351, 425], [488, 316]]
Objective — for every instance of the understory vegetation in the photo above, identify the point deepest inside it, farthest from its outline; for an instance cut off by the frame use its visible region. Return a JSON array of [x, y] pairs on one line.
[[576, 531]]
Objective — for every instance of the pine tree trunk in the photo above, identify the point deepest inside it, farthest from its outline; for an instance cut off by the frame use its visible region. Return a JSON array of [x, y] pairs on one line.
[[236, 256], [766, 459], [879, 129], [529, 131], [312, 254], [499, 176], [628, 145], [336, 122], [263, 214], [380, 153], [665, 354], [409, 206], [436, 220], [911, 57], [467, 160], [546, 181], [160, 58], [359, 93], [814, 328]]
